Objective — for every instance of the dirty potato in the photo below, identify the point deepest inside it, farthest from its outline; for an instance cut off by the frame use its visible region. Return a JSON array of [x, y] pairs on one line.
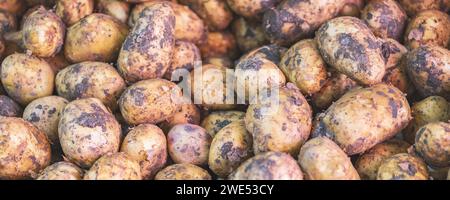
[[9, 108], [252, 9], [8, 22], [186, 56], [115, 8], [394, 51], [215, 121], [336, 86], [219, 44], [270, 52], [71, 11], [188, 113], [61, 171], [432, 144], [183, 172], [248, 34], [412, 7], [402, 166], [215, 13], [114, 166], [429, 27]]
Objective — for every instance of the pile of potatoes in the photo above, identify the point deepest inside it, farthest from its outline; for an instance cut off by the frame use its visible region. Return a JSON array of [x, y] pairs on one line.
[[89, 89]]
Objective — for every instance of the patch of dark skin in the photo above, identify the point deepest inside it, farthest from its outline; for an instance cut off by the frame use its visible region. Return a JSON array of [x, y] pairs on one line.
[[226, 147], [394, 108], [34, 117], [8, 107], [295, 100], [189, 128], [81, 88], [138, 96], [350, 48], [322, 130], [51, 111], [91, 120], [273, 22], [35, 162], [222, 123], [39, 107], [412, 170], [272, 52], [386, 51], [257, 113], [251, 64]]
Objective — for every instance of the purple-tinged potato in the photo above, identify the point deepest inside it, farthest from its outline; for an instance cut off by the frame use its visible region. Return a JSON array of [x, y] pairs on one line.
[[71, 11], [186, 56], [334, 87], [114, 166], [9, 108], [215, 13], [249, 35], [115, 8], [183, 172], [429, 27], [402, 166], [61, 171], [217, 120], [188, 113], [432, 144]]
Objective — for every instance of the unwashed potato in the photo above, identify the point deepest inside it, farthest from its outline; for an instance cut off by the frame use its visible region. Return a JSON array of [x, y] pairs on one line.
[[352, 8], [90, 79], [231, 146], [364, 117], [24, 150], [215, 121], [402, 166], [186, 56], [147, 50], [8, 22], [26, 78], [87, 131], [348, 45], [248, 34], [14, 7], [146, 144], [222, 61], [432, 144], [9, 108], [268, 166], [336, 86], [150, 101], [412, 7], [188, 113], [61, 171], [428, 68], [252, 9], [281, 126], [188, 143], [71, 11], [448, 175], [44, 113], [394, 51], [183, 172], [303, 65], [215, 13], [429, 27], [114, 166], [219, 44], [321, 159], [115, 8], [97, 37], [369, 162]]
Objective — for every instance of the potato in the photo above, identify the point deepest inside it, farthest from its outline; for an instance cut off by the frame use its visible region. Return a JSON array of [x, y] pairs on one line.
[[412, 7], [9, 108], [44, 113], [57, 62], [248, 34], [430, 109], [428, 28], [46, 3], [90, 79], [71, 11], [293, 20], [150, 101], [231, 146], [24, 150], [87, 131], [61, 171], [115, 8], [369, 162], [385, 18], [215, 121], [448, 175], [395, 51], [15, 7], [349, 46], [8, 22], [188, 113], [147, 50], [215, 13], [336, 86], [352, 8], [183, 172], [268, 166], [432, 144], [281, 126], [222, 61], [271, 52], [402, 166], [252, 9], [398, 77], [427, 66], [303, 66], [188, 143], [364, 117], [219, 44], [97, 37], [185, 56], [146, 144], [26, 78], [114, 166]]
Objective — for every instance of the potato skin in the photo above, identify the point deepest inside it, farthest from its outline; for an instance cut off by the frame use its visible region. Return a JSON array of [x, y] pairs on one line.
[[368, 163], [8, 22], [44, 113], [217, 120], [188, 113], [57, 62], [303, 65], [349, 46], [114, 166], [147, 50], [282, 126], [427, 66], [248, 34], [402, 166], [28, 146], [115, 8], [270, 52], [252, 9], [268, 166], [146, 144], [87, 131], [412, 7], [432, 144], [90, 79], [26, 78], [428, 28], [71, 11], [9, 108], [364, 117], [335, 86], [150, 101], [97, 37], [186, 55], [215, 13], [61, 171], [219, 44], [183, 172]]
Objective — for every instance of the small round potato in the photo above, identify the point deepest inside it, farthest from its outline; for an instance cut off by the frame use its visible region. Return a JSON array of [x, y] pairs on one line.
[[9, 108], [215, 121], [90, 79], [248, 34], [321, 159], [429, 27], [146, 144], [270, 52], [412, 7], [188, 143], [252, 9], [215, 13], [402, 166], [61, 171], [183, 172], [26, 78], [8, 22], [71, 11], [87, 131], [150, 101], [336, 86], [188, 113], [268, 166], [114, 166], [97, 37], [24, 149], [44, 113], [185, 56], [369, 162], [115, 8], [433, 144], [219, 44], [14, 7]]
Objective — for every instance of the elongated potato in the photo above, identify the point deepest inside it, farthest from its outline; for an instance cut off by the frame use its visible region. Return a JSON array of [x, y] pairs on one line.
[[349, 46], [115, 8], [402, 166], [252, 9], [188, 113], [8, 22], [412, 7], [114, 166], [185, 56], [61, 171], [248, 34], [183, 172], [147, 50], [219, 44], [364, 117], [270, 52], [71, 11], [215, 13], [432, 144], [336, 86], [215, 121], [428, 28], [9, 108]]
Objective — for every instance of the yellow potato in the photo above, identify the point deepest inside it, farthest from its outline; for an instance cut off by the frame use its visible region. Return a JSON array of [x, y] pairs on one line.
[[402, 166], [71, 11], [61, 171], [114, 166]]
